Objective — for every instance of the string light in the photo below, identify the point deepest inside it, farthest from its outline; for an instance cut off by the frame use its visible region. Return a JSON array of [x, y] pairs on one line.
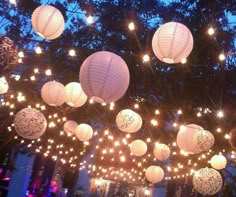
[[131, 26], [211, 31], [146, 58], [72, 52], [90, 19], [222, 57], [38, 50]]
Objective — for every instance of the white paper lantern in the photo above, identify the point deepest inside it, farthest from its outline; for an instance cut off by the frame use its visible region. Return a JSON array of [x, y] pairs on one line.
[[70, 126], [74, 95], [30, 123], [48, 22], [185, 138], [161, 151], [218, 162], [138, 147], [128, 121], [203, 140], [172, 42], [207, 181], [3, 85], [52, 93], [154, 174], [84, 132], [104, 76]]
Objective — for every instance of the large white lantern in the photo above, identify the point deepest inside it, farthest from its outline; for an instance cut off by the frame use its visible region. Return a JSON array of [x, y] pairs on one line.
[[52, 93], [74, 95], [3, 85], [83, 132], [154, 174], [203, 140], [218, 162], [128, 121], [161, 151], [185, 138], [48, 22], [172, 42], [30, 123], [138, 147], [104, 76], [207, 181], [69, 127]]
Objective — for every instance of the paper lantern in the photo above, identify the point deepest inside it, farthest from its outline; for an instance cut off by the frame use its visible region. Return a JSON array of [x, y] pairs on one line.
[[207, 181], [161, 151], [84, 132], [185, 138], [218, 162], [128, 121], [3, 85], [74, 95], [104, 76], [30, 123], [232, 138], [138, 147], [48, 22], [203, 140], [154, 174], [172, 42], [70, 126], [52, 93], [8, 54]]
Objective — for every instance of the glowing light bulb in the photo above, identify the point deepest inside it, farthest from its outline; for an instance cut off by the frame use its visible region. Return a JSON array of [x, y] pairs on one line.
[[38, 50], [222, 57], [72, 53], [146, 58], [131, 26], [89, 19], [220, 114], [211, 31], [21, 54], [184, 61]]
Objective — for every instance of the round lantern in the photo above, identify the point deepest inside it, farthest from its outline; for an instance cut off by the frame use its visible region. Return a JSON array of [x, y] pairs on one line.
[[30, 123], [52, 93], [232, 139], [185, 138], [161, 151], [218, 162], [172, 42], [138, 147], [70, 126], [74, 95], [83, 132], [8, 54], [104, 76], [48, 22], [128, 121], [204, 140], [207, 181], [154, 174], [3, 85]]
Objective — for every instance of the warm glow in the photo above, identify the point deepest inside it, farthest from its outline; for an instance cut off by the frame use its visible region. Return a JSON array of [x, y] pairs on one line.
[[220, 114], [72, 52], [211, 31], [89, 19], [222, 57], [146, 58], [38, 50], [131, 26]]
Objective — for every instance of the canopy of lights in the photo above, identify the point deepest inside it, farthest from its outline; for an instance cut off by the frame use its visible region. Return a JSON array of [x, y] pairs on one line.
[[123, 137]]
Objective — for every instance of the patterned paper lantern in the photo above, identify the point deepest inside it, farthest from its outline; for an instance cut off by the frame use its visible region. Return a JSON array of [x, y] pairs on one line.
[[154, 174], [172, 42], [185, 138], [128, 121], [74, 95], [161, 151], [138, 147], [207, 181], [52, 93], [104, 76], [8, 54], [218, 162], [3, 85], [203, 140], [30, 123], [70, 126], [83, 132], [48, 22], [232, 138]]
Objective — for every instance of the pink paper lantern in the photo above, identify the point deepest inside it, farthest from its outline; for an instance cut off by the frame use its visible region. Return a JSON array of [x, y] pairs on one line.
[[138, 147], [161, 151], [154, 174], [104, 76], [84, 132], [69, 127]]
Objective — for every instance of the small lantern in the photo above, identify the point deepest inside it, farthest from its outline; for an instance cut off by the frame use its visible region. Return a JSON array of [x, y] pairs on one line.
[[138, 147], [218, 162], [52, 93], [3, 85], [83, 132], [48, 22], [70, 126], [203, 140], [154, 174], [161, 151]]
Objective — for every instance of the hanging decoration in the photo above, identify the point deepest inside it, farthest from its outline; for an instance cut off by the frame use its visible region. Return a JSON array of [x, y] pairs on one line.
[[138, 147], [3, 85], [84, 132], [30, 123], [104, 76], [218, 162], [207, 181], [172, 42], [48, 22], [128, 121], [69, 127], [154, 174], [161, 151], [203, 140]]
